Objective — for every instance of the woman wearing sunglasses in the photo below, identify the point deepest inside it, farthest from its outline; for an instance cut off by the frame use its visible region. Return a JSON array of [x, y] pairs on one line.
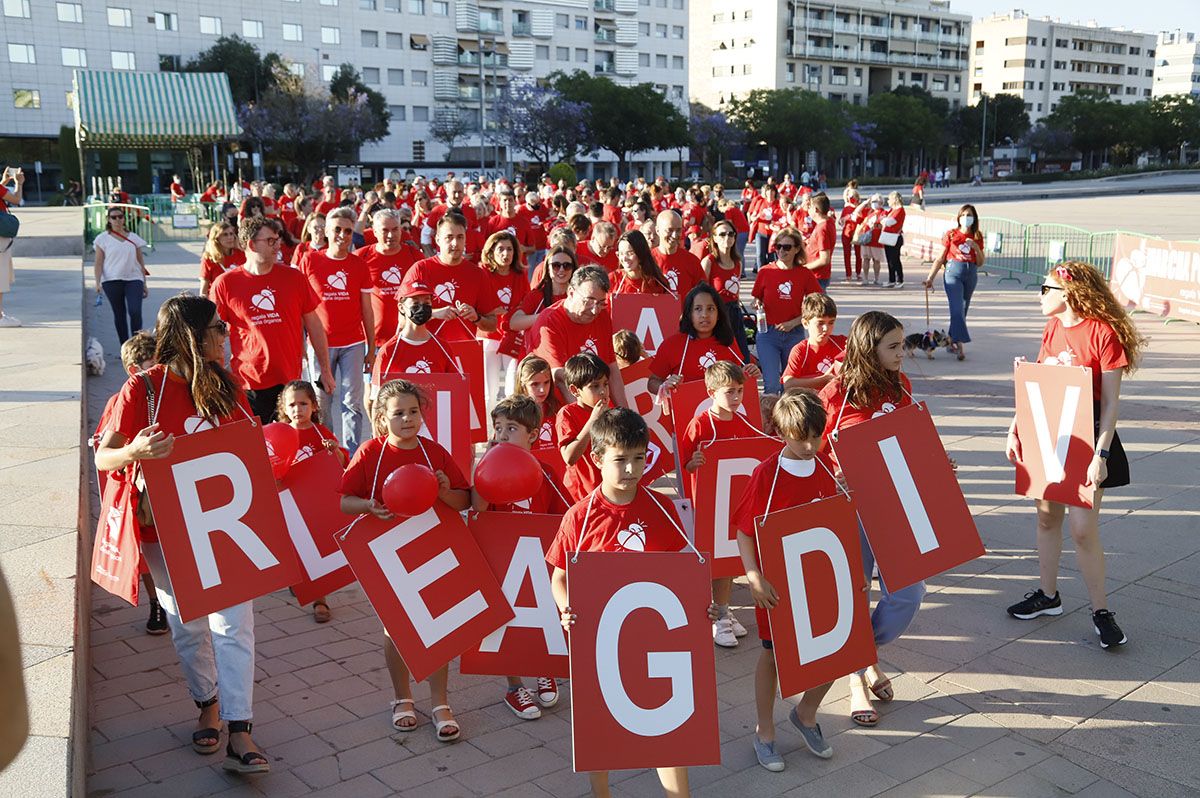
[[723, 270], [962, 256], [121, 273], [779, 292]]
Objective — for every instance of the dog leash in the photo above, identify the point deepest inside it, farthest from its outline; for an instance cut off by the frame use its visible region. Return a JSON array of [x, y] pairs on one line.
[[926, 307]]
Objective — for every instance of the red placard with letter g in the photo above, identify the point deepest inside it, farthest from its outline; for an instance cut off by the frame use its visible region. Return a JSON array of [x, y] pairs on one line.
[[643, 672]]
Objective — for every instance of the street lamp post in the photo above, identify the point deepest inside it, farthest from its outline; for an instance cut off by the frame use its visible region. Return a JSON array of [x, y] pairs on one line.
[[482, 109]]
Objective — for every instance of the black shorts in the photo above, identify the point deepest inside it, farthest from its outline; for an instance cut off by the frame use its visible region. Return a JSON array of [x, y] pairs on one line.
[[1118, 461]]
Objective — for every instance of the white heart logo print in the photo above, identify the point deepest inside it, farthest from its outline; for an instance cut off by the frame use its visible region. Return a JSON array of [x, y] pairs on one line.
[[445, 292], [337, 280], [673, 280], [304, 453], [633, 538], [732, 286], [264, 299], [785, 290], [392, 275], [196, 424], [590, 346], [708, 358], [420, 367], [504, 295], [546, 433], [884, 409]]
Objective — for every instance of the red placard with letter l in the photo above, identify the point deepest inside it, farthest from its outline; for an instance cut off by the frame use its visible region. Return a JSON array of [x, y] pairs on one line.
[[821, 627], [533, 642], [659, 453], [312, 508], [651, 317], [717, 486], [445, 414], [643, 672], [1056, 428], [908, 498], [428, 582], [218, 517]]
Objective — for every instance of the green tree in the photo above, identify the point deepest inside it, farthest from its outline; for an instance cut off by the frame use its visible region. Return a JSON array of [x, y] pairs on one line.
[[792, 122], [347, 86], [448, 126], [1093, 121], [1174, 122], [1006, 119], [250, 74], [904, 125]]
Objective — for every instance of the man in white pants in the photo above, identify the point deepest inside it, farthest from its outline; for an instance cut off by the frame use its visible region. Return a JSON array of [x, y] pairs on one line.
[[8, 196]]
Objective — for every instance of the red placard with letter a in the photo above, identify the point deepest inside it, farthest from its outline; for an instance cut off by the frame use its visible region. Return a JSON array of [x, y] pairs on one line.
[[643, 672], [218, 517], [821, 627], [428, 582], [1056, 428], [718, 485], [651, 317], [907, 496], [312, 508]]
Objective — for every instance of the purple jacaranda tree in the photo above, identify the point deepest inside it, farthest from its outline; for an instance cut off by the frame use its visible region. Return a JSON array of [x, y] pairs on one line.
[[539, 121]]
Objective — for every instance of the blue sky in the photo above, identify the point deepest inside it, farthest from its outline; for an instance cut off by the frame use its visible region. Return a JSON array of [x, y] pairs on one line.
[[1148, 16]]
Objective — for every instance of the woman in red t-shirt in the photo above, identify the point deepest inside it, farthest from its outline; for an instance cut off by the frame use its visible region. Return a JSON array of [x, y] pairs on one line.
[[313, 238], [639, 272], [559, 267], [221, 253], [962, 256], [891, 236], [779, 291], [507, 281], [1087, 328], [722, 266], [867, 236]]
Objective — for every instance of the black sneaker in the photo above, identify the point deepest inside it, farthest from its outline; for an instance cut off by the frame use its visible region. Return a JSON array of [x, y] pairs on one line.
[[157, 624], [1105, 624], [1035, 604]]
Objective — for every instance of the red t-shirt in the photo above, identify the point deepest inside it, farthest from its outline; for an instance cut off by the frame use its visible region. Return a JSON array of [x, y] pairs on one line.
[[726, 281], [840, 414], [312, 441], [340, 286], [648, 523], [585, 257], [805, 360], [735, 217], [440, 210], [770, 217], [556, 338], [265, 314], [582, 476], [809, 483], [362, 480], [623, 285], [4, 192], [508, 291], [892, 221], [682, 270], [403, 356], [463, 282], [177, 191], [823, 238], [386, 273], [682, 354], [847, 221], [1091, 343], [536, 233], [702, 431], [613, 215], [955, 246], [782, 291], [210, 269]]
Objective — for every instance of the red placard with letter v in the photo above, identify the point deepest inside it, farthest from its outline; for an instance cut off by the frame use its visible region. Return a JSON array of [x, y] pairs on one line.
[[312, 507], [651, 317], [821, 627], [446, 414], [908, 498], [428, 582], [719, 484], [218, 517], [643, 672], [1056, 428], [533, 643]]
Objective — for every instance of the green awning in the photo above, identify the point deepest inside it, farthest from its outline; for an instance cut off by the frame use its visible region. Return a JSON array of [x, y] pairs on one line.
[[165, 110]]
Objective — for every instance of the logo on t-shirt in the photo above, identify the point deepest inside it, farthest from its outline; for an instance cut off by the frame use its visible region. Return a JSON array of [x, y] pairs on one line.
[[731, 287], [825, 365], [392, 275], [884, 408], [546, 433], [446, 291], [672, 280], [707, 359], [785, 290], [303, 453], [197, 424], [1063, 358], [632, 538], [264, 299], [964, 248], [504, 295], [337, 280], [590, 346], [420, 367]]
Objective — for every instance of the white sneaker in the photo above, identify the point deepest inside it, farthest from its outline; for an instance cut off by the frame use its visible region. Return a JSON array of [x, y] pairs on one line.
[[738, 629], [890, 285], [899, 284], [9, 321], [723, 633]]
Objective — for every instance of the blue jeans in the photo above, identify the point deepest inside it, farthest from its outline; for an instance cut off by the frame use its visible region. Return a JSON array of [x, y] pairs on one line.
[[737, 321], [773, 350], [347, 379], [824, 283], [761, 243], [741, 240], [960, 281], [125, 298], [894, 612]]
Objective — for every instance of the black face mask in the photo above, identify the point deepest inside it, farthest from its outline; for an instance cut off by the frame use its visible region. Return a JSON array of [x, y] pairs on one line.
[[420, 314]]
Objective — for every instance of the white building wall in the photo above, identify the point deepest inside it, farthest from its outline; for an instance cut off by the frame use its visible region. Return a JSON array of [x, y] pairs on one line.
[[1177, 64]]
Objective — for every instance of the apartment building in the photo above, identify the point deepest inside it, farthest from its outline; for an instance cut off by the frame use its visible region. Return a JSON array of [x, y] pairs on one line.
[[844, 50], [424, 56], [1041, 60], [1176, 64]]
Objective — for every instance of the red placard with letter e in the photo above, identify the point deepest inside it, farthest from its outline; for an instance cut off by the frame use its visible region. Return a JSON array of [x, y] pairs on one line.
[[1056, 428], [312, 508], [218, 517], [821, 627], [908, 498], [643, 672], [446, 413], [428, 582], [717, 486], [651, 317], [533, 643]]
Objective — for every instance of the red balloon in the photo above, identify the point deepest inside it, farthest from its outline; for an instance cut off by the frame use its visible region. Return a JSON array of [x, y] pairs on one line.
[[507, 473], [410, 489], [282, 442]]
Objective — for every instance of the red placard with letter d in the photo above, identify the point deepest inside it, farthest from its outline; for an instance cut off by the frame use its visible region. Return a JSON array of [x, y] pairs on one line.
[[718, 484], [908, 498], [218, 517], [1056, 428], [428, 582], [312, 507], [651, 317], [821, 627], [643, 672], [533, 643]]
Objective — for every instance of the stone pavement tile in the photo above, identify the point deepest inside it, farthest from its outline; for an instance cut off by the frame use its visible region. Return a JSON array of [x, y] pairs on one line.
[[364, 786], [524, 791], [318, 773], [356, 731], [193, 783], [40, 771], [999, 759], [1106, 789], [1165, 751], [121, 726], [305, 657], [277, 732], [1063, 774], [911, 758], [565, 783], [414, 771], [111, 708], [176, 760], [371, 756], [510, 770], [114, 779], [133, 748], [1184, 677], [856, 779], [903, 720], [1123, 775], [938, 781], [279, 684], [504, 741], [296, 752], [343, 689], [325, 718], [301, 701], [1024, 785]]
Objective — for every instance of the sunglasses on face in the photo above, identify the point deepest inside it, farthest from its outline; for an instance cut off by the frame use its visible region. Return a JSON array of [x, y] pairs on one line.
[[270, 242], [784, 247], [116, 216], [219, 326], [726, 235], [561, 265], [342, 232], [1048, 288]]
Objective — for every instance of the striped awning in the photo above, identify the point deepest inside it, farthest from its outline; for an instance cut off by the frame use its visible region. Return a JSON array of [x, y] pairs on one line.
[[153, 109]]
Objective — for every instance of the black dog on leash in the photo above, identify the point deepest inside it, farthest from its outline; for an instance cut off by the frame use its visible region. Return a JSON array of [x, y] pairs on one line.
[[926, 342]]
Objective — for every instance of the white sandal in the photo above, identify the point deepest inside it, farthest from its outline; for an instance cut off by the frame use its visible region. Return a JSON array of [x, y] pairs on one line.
[[438, 725], [400, 714]]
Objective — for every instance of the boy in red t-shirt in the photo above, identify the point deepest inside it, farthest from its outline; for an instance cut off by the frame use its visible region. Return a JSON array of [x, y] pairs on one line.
[[799, 475], [587, 379], [815, 360], [619, 516]]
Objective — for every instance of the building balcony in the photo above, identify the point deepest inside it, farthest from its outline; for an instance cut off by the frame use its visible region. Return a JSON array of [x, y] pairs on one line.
[[872, 57], [815, 24], [606, 36], [522, 29], [607, 6], [489, 25], [605, 68], [470, 60]]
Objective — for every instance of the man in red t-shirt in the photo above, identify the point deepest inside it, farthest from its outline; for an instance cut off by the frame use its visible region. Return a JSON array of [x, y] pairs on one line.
[[600, 249], [268, 309], [177, 190], [461, 299], [510, 219], [455, 194], [680, 267], [388, 260], [820, 241]]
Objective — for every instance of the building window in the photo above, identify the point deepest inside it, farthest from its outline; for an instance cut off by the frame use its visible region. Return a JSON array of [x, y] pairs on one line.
[[329, 2], [677, 92], [643, 59], [210, 26], [166, 20], [367, 5], [397, 112], [416, 6], [441, 8], [581, 55], [643, 28], [858, 77], [297, 70], [17, 8], [70, 12], [562, 53], [169, 63], [370, 38], [27, 98], [120, 17], [370, 76], [327, 72], [676, 31], [395, 77], [660, 61], [677, 5], [395, 41], [293, 32], [790, 73], [420, 77], [562, 21], [74, 57], [122, 59], [542, 52], [420, 113], [420, 44], [660, 31], [331, 35], [252, 28], [676, 62], [21, 54], [418, 151], [392, 6]]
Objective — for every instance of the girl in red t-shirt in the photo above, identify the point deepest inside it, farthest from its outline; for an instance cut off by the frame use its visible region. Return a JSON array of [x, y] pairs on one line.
[[704, 338], [312, 238], [639, 272], [535, 379], [867, 236], [850, 203], [722, 266], [1087, 327], [397, 422], [507, 282], [221, 253], [962, 256]]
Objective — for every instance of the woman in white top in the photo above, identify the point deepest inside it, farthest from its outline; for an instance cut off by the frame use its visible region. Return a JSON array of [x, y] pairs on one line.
[[121, 273]]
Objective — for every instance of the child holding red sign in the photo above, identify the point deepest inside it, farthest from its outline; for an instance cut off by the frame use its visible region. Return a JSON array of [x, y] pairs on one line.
[[535, 379], [397, 422], [800, 474], [587, 379]]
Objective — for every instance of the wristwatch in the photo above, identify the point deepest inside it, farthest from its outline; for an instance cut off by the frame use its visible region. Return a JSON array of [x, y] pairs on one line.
[[1103, 453]]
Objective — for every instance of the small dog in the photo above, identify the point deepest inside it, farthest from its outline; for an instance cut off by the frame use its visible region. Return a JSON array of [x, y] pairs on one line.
[[927, 342], [94, 357]]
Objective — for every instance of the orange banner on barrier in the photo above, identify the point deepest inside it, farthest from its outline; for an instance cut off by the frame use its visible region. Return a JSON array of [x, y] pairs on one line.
[[1161, 277]]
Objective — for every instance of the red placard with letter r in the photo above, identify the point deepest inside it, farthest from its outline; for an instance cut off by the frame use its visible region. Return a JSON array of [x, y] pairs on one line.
[[717, 486], [643, 672], [218, 517], [428, 582], [907, 495], [312, 508], [660, 450], [533, 643], [821, 627], [1056, 428], [651, 317]]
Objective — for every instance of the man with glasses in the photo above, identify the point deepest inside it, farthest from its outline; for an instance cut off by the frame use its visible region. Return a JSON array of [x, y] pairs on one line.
[[268, 309], [680, 267], [388, 260], [342, 284]]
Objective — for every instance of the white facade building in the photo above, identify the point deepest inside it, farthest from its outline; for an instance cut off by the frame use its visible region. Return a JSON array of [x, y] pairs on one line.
[[422, 55], [844, 50], [1041, 60], [1177, 64]]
